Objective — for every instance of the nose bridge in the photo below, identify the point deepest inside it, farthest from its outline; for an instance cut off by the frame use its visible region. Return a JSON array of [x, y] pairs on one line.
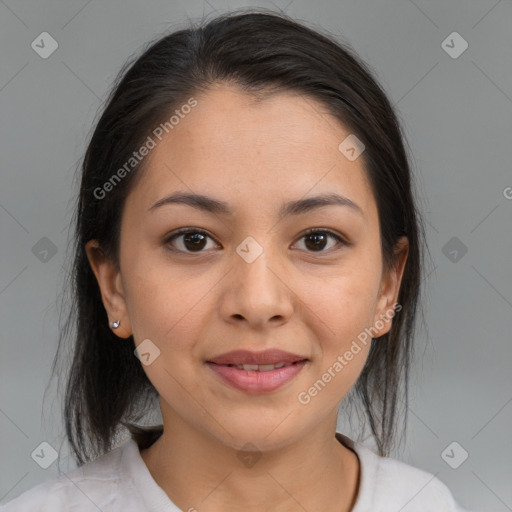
[[256, 260], [257, 291]]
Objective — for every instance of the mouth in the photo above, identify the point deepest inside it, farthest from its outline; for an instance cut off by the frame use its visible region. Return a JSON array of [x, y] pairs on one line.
[[260, 367], [267, 357], [257, 372]]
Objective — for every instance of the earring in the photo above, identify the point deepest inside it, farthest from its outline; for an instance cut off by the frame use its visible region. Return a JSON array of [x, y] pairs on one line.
[[115, 324]]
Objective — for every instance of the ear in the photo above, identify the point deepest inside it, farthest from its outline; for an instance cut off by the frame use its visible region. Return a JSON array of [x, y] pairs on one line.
[[111, 287], [389, 290]]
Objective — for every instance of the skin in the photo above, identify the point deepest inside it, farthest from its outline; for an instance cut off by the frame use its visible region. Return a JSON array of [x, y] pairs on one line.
[[197, 305]]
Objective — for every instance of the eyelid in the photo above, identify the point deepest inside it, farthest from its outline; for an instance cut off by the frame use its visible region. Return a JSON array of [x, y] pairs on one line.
[[338, 236], [340, 239], [182, 231]]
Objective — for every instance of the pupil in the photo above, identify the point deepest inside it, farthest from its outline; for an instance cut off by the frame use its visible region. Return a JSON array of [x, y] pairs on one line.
[[315, 236], [195, 239]]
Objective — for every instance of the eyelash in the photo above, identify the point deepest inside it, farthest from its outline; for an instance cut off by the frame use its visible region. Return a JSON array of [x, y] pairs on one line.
[[311, 231]]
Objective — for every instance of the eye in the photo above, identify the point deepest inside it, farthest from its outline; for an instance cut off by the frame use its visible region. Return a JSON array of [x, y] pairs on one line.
[[193, 240], [316, 239]]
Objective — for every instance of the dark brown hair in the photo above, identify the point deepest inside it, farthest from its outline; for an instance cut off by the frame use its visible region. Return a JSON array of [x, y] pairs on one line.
[[107, 390]]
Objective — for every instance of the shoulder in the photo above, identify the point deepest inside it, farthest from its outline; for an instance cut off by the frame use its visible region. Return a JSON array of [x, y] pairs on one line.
[[412, 488], [389, 484], [88, 487]]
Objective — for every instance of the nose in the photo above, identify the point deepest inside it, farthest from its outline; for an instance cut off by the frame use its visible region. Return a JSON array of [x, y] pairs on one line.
[[256, 290]]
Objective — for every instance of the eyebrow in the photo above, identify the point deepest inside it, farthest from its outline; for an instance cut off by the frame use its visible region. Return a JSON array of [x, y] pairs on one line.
[[215, 206]]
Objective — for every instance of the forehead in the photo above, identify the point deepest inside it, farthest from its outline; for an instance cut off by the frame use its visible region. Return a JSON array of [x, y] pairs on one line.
[[233, 146]]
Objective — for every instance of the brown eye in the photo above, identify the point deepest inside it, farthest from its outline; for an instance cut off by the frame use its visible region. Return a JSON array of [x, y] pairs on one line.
[[317, 239], [190, 240]]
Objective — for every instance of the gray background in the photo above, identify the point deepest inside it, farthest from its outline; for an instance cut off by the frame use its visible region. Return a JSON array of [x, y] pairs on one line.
[[457, 117]]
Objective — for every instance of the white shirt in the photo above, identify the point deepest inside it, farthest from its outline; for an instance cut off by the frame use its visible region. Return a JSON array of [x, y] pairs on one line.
[[120, 481]]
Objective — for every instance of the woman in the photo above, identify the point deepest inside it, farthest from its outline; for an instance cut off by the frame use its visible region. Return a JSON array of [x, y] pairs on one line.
[[248, 253]]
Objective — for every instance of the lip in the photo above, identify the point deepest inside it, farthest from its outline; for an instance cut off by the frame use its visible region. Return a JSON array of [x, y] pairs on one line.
[[255, 381], [270, 356]]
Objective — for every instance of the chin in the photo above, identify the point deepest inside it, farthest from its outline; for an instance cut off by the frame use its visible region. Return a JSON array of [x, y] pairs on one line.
[[269, 432]]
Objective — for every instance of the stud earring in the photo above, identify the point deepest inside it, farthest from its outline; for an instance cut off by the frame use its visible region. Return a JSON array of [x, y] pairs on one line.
[[115, 324]]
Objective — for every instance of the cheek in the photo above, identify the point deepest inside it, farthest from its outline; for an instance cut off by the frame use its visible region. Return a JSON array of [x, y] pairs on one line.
[[343, 308], [341, 312], [166, 310], [343, 305], [163, 304]]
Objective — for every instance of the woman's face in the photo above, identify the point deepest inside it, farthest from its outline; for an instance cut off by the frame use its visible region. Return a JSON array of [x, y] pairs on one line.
[[254, 281]]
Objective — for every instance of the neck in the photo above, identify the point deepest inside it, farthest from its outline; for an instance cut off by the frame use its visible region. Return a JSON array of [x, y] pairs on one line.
[[199, 473]]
